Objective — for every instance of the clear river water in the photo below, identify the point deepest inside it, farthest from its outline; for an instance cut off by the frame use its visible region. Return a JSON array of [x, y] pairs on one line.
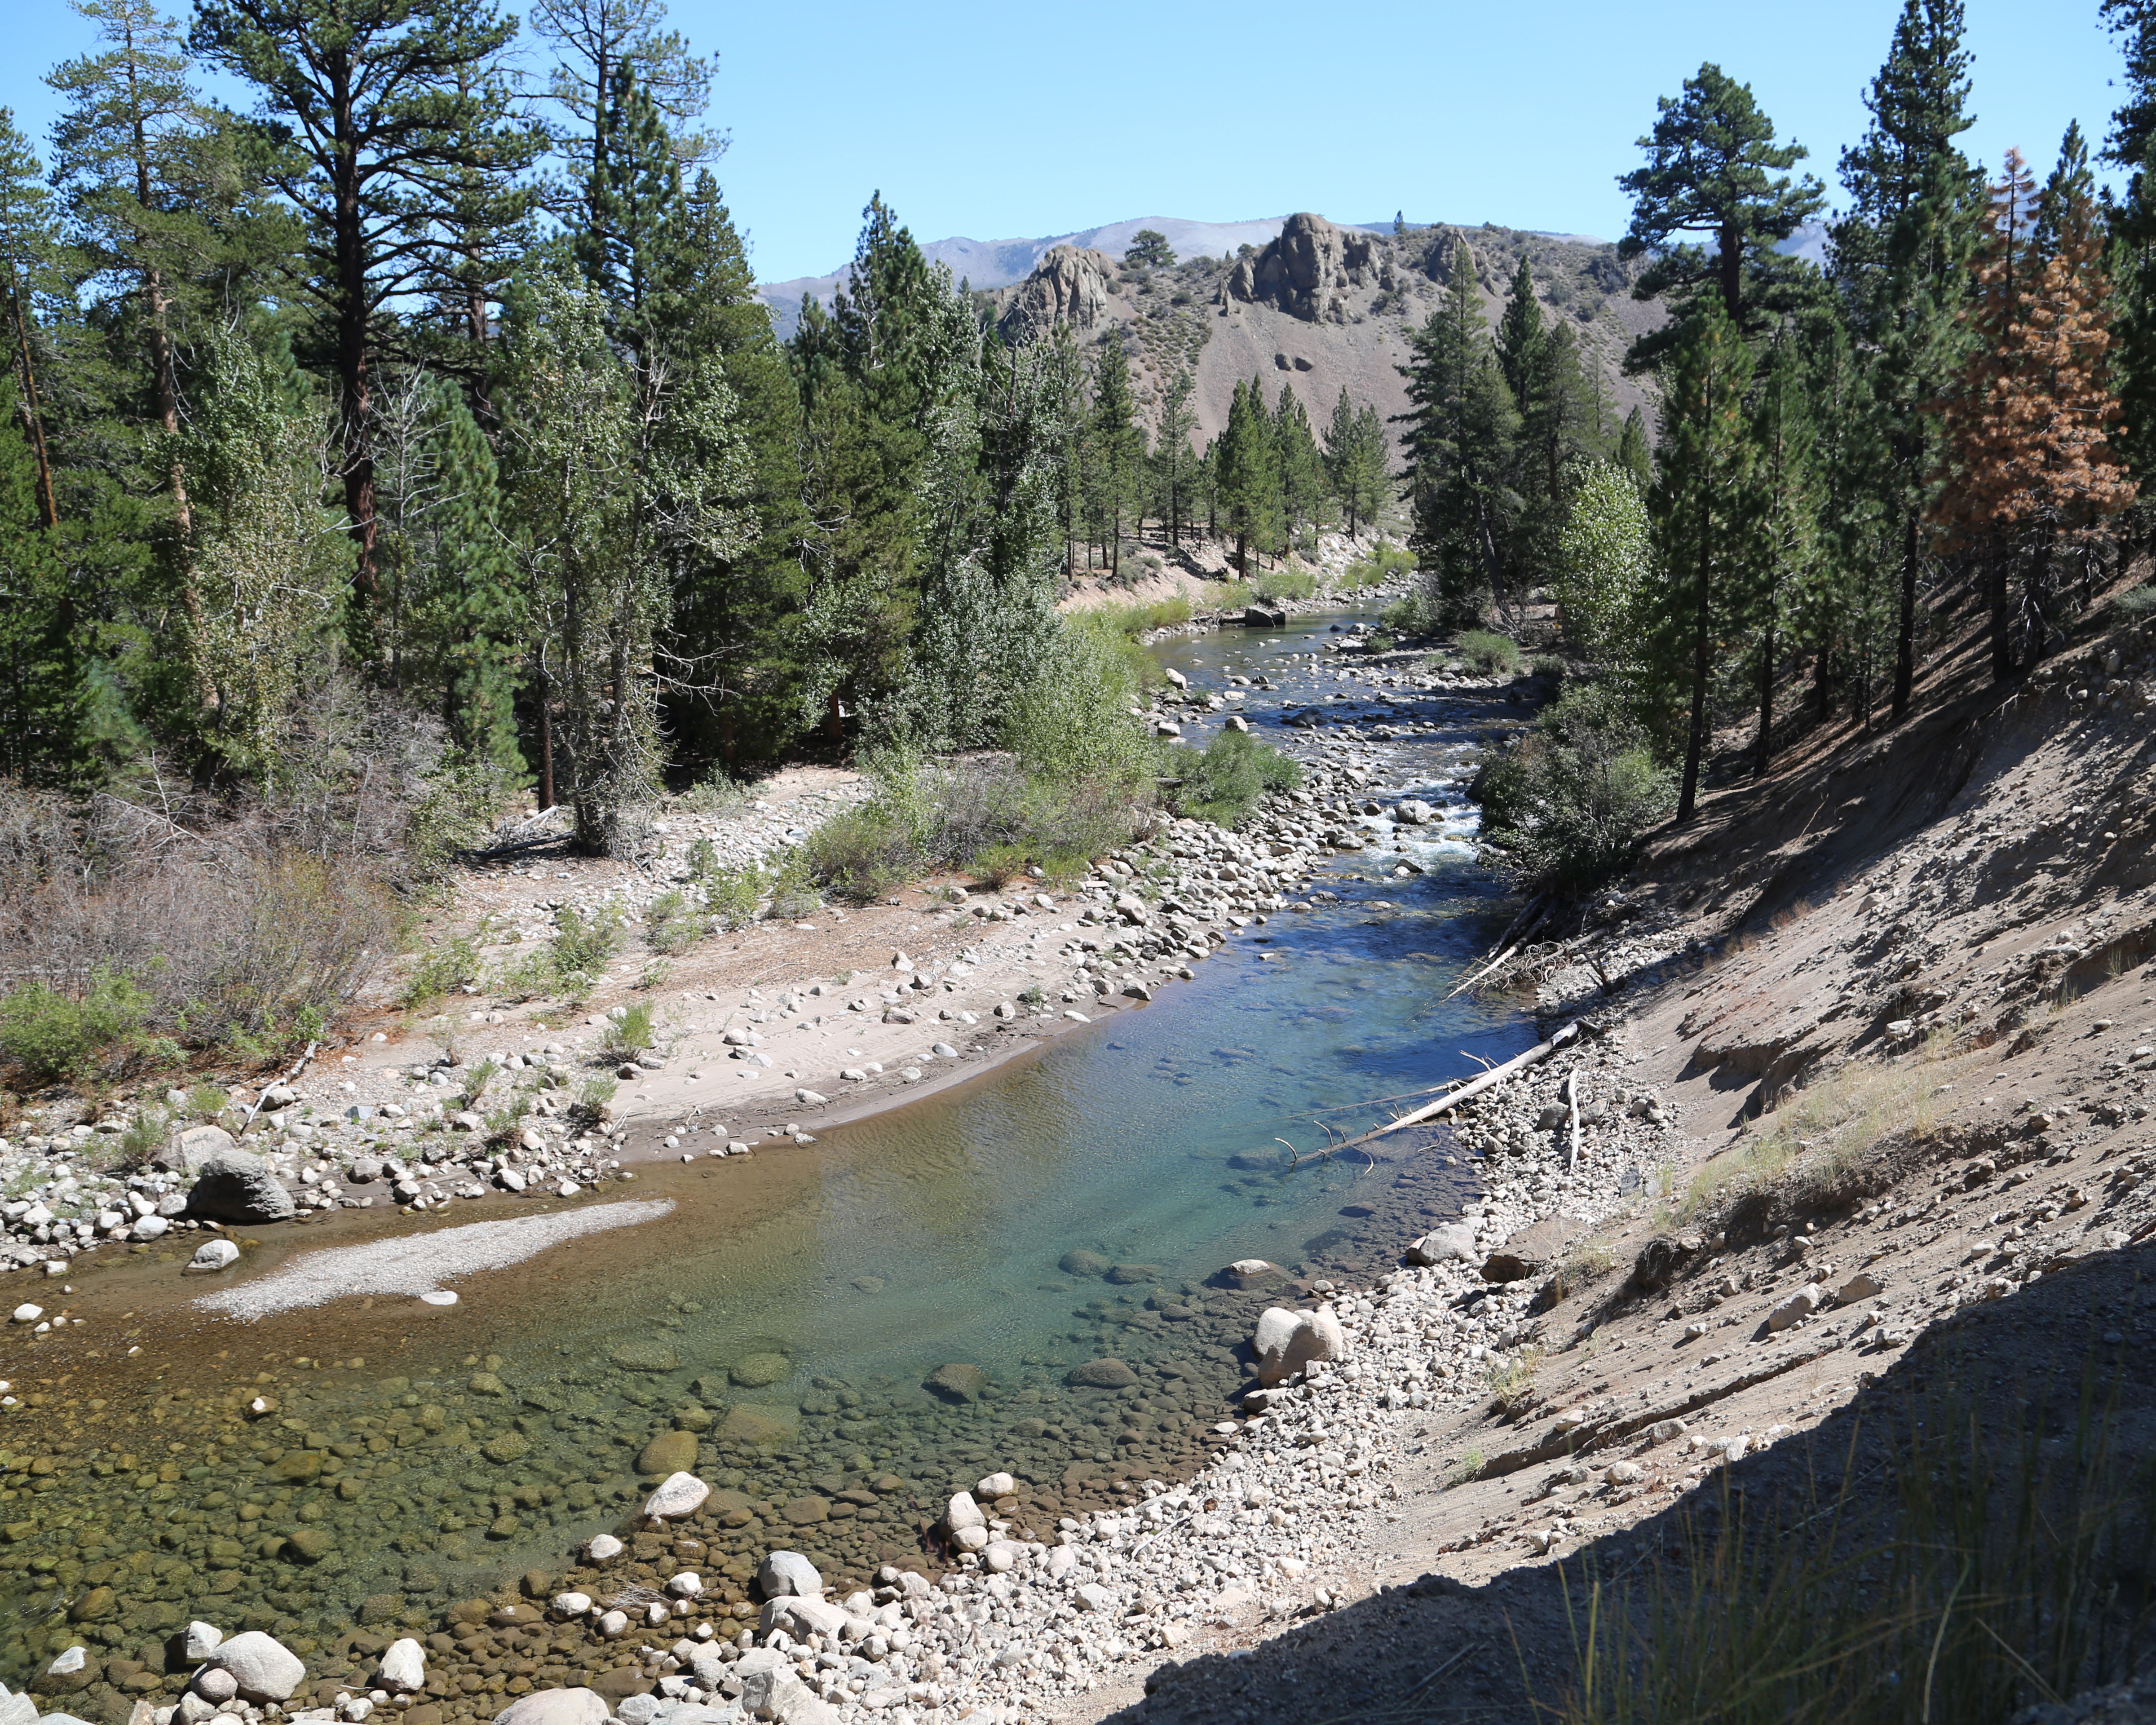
[[776, 1330]]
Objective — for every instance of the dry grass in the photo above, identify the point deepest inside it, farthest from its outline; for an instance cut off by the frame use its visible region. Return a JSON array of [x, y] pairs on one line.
[[192, 937], [1512, 1387], [1818, 1147]]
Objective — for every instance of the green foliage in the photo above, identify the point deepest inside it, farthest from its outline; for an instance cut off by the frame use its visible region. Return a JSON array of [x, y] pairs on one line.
[[443, 966], [593, 1095], [714, 794], [1490, 656], [1566, 805], [1357, 456], [1149, 249], [1270, 585], [1417, 613], [1223, 782], [671, 924], [458, 809], [1383, 562], [628, 1034], [1604, 559], [50, 1034], [2137, 601]]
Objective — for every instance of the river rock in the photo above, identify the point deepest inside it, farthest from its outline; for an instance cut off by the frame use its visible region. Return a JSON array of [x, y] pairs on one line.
[[964, 1512], [801, 1616], [602, 1549], [957, 1382], [215, 1685], [403, 1669], [1452, 1244], [678, 1495], [236, 1186], [262, 1667], [201, 1641], [555, 1706], [670, 1452], [788, 1572], [72, 1670], [759, 1371], [997, 1485], [1082, 1263], [1100, 1374], [750, 1423], [185, 1150], [215, 1254], [1124, 1276], [1285, 1342], [1250, 1272], [646, 1357]]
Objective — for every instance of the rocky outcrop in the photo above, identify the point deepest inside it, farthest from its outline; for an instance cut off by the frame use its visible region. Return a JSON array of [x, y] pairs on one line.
[[1068, 286], [1306, 271]]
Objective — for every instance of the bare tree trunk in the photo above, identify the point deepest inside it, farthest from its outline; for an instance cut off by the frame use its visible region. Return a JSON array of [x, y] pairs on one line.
[[1905, 639]]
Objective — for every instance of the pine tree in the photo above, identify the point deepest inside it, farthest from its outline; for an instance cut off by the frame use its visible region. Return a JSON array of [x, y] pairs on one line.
[[1149, 249], [2132, 145], [474, 572], [1461, 425], [1636, 455], [37, 293], [1787, 502], [1703, 507], [2028, 464], [1303, 489], [1714, 169], [1897, 260], [38, 672], [1355, 460], [368, 107], [1173, 458], [1115, 447], [1247, 464]]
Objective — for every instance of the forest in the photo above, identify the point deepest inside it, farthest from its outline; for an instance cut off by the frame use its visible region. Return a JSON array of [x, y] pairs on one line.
[[422, 420], [1939, 435], [409, 445]]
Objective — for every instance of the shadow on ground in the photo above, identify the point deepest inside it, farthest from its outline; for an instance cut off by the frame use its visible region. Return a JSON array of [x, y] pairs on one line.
[[2018, 1371]]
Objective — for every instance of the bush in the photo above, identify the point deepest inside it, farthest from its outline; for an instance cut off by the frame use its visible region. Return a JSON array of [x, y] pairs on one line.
[[582, 944], [1223, 782], [1416, 614], [715, 793], [671, 924], [1385, 561], [1491, 655], [2139, 603], [232, 938], [1272, 584], [1137, 617], [50, 1034], [1566, 805], [441, 967], [629, 1035]]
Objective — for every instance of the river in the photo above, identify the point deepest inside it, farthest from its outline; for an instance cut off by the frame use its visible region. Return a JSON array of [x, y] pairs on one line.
[[777, 1330]]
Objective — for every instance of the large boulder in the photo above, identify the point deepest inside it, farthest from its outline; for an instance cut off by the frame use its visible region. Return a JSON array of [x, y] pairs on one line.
[[236, 1186], [263, 1667], [957, 1382], [1285, 1342], [1306, 271], [1452, 1244], [787, 1573], [188, 1147], [801, 1616], [678, 1494], [555, 1706], [1100, 1374]]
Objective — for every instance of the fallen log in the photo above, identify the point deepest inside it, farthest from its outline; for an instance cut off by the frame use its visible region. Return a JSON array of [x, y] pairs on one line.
[[1475, 1086]]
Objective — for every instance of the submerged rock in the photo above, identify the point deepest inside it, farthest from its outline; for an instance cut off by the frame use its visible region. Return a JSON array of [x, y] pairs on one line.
[[957, 1382]]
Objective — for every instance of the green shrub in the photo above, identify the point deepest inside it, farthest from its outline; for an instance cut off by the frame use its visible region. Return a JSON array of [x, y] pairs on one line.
[[2139, 603], [1416, 614], [629, 1035], [671, 924], [1566, 805], [1273, 584], [1491, 655], [1223, 782], [458, 811], [582, 944], [793, 893], [50, 1034], [731, 896], [1138, 617], [447, 965], [715, 793], [1384, 561], [593, 1095]]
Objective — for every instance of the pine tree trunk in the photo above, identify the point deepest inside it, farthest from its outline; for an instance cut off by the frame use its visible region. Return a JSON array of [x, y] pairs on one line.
[[1905, 638], [1766, 753], [546, 798], [33, 421], [1696, 733], [2002, 634], [354, 374]]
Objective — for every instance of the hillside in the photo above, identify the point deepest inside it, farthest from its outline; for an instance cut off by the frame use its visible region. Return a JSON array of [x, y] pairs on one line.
[[1299, 299]]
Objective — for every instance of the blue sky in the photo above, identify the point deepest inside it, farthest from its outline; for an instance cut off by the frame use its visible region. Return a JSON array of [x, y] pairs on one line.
[[1027, 120]]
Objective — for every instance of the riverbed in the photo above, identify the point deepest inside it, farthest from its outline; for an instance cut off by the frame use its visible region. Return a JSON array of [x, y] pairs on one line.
[[1021, 1274]]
